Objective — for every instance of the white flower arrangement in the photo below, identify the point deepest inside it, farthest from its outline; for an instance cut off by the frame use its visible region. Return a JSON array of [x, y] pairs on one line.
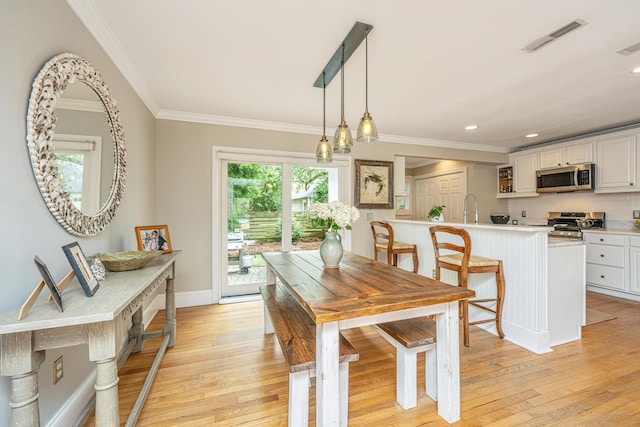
[[333, 216]]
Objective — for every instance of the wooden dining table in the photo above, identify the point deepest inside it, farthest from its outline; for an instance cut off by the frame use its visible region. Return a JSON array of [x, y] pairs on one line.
[[365, 292]]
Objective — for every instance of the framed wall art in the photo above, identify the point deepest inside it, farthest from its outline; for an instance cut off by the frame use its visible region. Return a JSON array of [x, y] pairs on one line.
[[48, 280], [81, 268], [374, 184], [153, 238]]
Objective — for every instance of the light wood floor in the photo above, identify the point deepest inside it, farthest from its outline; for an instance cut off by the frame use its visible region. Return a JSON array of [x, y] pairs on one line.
[[225, 371]]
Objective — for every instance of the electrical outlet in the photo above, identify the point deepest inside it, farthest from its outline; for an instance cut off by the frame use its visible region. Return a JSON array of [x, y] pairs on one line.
[[636, 214], [523, 214], [369, 216], [433, 273], [58, 372]]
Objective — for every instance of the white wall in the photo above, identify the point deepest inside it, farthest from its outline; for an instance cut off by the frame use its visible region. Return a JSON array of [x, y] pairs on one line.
[[32, 32], [185, 184]]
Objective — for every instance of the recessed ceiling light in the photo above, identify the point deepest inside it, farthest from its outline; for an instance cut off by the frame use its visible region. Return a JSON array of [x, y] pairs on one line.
[[532, 135], [636, 70], [471, 127]]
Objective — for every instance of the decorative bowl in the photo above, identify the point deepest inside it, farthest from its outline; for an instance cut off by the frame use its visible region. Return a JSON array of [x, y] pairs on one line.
[[499, 218], [125, 261]]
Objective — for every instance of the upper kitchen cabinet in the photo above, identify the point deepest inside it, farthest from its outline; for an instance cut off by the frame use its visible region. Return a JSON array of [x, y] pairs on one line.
[[524, 176], [565, 156], [617, 162]]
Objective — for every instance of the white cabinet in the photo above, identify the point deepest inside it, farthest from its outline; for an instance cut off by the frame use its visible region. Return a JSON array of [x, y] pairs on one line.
[[524, 174], [519, 178], [565, 156], [617, 165], [606, 260], [634, 264]]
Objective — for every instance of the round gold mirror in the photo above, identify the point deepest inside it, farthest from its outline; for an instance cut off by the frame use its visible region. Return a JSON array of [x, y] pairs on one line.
[[79, 168]]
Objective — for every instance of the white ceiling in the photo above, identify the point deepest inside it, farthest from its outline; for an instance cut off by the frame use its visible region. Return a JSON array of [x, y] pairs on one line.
[[434, 66]]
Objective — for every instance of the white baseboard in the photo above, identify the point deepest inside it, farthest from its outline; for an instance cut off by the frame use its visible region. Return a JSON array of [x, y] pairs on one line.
[[73, 408]]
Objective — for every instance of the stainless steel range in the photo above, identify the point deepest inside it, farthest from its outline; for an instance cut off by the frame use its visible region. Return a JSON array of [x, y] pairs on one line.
[[571, 224]]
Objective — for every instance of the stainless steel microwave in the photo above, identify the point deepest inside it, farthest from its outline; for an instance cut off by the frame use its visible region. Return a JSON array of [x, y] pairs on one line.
[[570, 178]]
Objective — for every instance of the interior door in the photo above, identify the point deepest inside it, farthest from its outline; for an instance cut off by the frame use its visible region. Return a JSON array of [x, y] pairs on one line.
[[448, 189]]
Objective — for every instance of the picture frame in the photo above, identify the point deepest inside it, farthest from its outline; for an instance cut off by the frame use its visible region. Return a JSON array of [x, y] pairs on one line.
[[153, 237], [81, 268], [374, 184], [48, 280]]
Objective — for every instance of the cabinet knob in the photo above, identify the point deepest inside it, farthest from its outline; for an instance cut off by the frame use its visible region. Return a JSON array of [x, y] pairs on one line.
[[631, 183], [601, 239], [601, 255], [602, 276]]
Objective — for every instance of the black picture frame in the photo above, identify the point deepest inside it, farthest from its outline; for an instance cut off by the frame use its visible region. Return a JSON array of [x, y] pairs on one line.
[[48, 280], [81, 268], [374, 184]]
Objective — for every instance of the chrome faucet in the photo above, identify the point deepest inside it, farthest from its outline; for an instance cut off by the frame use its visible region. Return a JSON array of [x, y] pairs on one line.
[[464, 214]]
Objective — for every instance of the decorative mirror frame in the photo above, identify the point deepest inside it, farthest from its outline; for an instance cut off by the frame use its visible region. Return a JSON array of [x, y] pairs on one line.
[[54, 77]]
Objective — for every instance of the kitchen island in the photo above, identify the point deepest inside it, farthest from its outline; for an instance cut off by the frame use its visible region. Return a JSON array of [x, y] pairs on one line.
[[545, 278]]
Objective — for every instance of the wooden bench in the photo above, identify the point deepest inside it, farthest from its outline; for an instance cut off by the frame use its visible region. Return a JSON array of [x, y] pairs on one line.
[[296, 333], [410, 337]]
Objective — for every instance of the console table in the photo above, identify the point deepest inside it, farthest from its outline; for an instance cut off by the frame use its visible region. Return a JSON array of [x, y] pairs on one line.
[[101, 322]]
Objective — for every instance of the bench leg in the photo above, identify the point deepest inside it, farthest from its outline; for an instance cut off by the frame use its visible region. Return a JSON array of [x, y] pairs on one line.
[[406, 377], [268, 326], [344, 394], [431, 373], [298, 399]]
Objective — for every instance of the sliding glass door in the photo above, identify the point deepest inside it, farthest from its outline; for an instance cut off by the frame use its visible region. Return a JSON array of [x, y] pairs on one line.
[[264, 208]]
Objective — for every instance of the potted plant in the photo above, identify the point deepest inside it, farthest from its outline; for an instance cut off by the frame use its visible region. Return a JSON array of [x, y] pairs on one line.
[[435, 213]]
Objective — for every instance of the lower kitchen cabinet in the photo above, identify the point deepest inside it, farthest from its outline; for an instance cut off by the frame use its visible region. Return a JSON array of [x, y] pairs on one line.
[[634, 264], [613, 262]]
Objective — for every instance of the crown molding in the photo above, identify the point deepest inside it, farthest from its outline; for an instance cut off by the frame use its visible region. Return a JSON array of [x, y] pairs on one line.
[[88, 13], [80, 105], [316, 130]]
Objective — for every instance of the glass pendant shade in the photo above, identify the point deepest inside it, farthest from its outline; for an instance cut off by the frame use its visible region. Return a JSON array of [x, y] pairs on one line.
[[342, 140], [324, 152], [367, 131]]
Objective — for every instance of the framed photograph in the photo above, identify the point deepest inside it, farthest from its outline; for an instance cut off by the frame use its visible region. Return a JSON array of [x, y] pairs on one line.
[[153, 238], [374, 184], [81, 268], [48, 280]]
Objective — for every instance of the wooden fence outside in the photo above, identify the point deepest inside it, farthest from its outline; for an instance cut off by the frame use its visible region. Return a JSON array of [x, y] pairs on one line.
[[265, 227]]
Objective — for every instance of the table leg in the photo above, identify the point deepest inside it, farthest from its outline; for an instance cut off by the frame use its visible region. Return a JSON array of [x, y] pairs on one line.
[[327, 378], [170, 311], [107, 407], [137, 330], [19, 361], [448, 356]]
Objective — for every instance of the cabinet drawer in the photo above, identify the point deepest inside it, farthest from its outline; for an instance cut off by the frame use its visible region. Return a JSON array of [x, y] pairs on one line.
[[604, 239], [611, 277], [606, 255], [634, 241]]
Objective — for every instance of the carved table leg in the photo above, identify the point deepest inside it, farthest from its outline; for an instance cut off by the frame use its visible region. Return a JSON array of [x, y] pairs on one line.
[[107, 409], [137, 330], [170, 311], [19, 361]]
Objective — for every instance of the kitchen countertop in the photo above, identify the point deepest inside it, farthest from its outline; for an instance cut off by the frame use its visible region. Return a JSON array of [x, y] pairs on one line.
[[629, 231], [487, 226]]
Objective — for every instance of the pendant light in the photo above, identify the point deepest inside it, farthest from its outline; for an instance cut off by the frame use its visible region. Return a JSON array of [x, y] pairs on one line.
[[324, 152], [367, 131], [342, 140]]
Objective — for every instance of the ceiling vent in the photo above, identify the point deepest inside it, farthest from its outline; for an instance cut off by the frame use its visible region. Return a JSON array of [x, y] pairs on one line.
[[554, 35], [629, 49]]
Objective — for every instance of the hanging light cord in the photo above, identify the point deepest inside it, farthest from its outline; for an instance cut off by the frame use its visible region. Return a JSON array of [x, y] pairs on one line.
[[324, 104], [366, 72], [342, 84]]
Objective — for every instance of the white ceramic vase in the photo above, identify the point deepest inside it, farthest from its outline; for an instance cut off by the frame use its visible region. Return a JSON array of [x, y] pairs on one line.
[[331, 249]]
